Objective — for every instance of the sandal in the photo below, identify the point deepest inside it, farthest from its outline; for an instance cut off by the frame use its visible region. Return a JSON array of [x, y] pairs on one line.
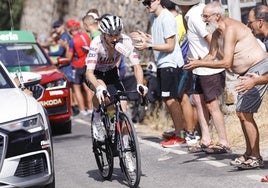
[[251, 163], [264, 179], [199, 148], [218, 149], [204, 147], [239, 160]]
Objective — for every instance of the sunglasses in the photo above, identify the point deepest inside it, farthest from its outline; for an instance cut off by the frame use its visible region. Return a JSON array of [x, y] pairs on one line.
[[148, 2]]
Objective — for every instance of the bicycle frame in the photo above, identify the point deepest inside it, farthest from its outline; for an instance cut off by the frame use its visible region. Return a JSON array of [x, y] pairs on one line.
[[121, 142], [117, 134]]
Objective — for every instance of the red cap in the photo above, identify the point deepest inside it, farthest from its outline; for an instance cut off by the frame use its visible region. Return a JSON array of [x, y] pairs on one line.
[[72, 24]]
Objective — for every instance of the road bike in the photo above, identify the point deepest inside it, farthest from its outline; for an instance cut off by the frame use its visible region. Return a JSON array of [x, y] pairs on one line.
[[120, 141]]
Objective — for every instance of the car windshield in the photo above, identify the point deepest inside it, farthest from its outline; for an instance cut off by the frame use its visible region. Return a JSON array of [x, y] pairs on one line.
[[5, 81], [28, 54]]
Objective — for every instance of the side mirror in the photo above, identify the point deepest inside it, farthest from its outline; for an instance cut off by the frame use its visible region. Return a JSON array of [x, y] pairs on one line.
[[63, 61], [29, 78]]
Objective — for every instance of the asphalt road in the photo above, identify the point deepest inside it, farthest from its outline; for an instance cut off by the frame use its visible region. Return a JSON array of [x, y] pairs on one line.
[[76, 167]]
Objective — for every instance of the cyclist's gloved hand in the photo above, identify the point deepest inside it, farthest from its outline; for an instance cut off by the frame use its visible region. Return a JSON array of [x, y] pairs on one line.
[[142, 89], [99, 92]]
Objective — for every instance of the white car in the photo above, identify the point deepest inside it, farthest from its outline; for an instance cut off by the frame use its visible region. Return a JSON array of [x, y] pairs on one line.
[[26, 152]]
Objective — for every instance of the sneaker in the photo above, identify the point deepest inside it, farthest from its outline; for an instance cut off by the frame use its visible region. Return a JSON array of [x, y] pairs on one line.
[[84, 112], [168, 134], [89, 112], [172, 137], [191, 138], [75, 110], [173, 142], [83, 115], [129, 162]]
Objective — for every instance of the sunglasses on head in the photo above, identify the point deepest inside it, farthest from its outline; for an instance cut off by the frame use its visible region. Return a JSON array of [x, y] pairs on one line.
[[148, 2]]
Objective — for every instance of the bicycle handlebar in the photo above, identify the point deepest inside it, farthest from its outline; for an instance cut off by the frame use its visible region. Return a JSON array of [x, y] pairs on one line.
[[118, 94]]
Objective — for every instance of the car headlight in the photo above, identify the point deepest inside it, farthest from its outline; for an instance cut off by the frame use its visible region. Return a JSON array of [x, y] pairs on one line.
[[30, 124], [58, 84]]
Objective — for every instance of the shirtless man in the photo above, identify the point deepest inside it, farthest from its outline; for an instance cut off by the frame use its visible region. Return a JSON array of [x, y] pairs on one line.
[[241, 54], [251, 80], [258, 23]]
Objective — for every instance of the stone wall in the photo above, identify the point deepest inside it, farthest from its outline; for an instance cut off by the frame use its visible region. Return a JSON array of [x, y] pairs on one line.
[[39, 15]]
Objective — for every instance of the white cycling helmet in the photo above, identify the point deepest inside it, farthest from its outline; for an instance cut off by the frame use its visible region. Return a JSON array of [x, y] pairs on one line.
[[111, 25]]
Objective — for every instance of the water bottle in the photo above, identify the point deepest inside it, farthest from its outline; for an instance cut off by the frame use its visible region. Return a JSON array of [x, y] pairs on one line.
[[100, 133]]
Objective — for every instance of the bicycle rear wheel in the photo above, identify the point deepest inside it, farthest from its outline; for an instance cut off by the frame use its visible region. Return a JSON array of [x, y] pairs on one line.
[[130, 160], [103, 156]]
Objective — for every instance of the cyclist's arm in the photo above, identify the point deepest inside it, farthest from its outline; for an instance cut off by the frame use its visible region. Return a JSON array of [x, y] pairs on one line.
[[92, 79], [91, 61]]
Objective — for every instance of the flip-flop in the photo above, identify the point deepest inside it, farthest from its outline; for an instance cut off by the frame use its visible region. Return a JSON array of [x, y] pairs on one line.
[[264, 179]]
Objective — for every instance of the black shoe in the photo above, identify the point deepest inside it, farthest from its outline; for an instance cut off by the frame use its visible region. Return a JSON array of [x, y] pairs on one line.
[[75, 110]]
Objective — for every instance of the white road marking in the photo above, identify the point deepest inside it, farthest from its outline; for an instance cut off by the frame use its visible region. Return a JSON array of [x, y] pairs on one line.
[[212, 162], [180, 152], [82, 121], [167, 150]]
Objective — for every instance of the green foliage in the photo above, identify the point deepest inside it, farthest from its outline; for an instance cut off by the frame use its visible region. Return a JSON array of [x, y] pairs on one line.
[[13, 7]]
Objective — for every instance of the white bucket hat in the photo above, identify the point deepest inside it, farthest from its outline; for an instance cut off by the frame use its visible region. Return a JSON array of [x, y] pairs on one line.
[[185, 2]]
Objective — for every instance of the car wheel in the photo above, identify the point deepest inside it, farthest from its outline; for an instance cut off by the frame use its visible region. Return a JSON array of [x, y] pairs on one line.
[[62, 128], [67, 127]]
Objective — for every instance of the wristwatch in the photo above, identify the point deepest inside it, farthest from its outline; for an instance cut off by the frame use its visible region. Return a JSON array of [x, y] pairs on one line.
[[150, 47]]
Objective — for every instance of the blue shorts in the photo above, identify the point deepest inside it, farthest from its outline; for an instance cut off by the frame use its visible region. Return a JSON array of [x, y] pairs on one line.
[[67, 71], [78, 76], [250, 101]]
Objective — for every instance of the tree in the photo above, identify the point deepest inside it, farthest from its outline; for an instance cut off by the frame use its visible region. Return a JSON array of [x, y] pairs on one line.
[[10, 14]]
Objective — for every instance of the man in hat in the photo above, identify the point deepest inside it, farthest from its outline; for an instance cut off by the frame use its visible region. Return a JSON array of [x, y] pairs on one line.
[[91, 25], [76, 53], [58, 26], [209, 83]]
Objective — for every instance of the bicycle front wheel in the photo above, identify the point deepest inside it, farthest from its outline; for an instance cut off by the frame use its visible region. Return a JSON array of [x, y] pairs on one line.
[[104, 158], [103, 155], [130, 160]]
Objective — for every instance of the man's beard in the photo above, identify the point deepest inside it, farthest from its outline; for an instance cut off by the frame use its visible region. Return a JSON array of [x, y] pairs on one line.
[[211, 26]]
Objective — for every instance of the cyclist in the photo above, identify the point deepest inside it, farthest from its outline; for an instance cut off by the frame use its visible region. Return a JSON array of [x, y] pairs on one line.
[[102, 72]]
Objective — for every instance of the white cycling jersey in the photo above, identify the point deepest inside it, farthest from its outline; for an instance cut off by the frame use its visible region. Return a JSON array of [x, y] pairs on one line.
[[98, 55]]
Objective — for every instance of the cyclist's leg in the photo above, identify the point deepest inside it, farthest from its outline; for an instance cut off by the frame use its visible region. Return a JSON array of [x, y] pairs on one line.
[[97, 127]]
